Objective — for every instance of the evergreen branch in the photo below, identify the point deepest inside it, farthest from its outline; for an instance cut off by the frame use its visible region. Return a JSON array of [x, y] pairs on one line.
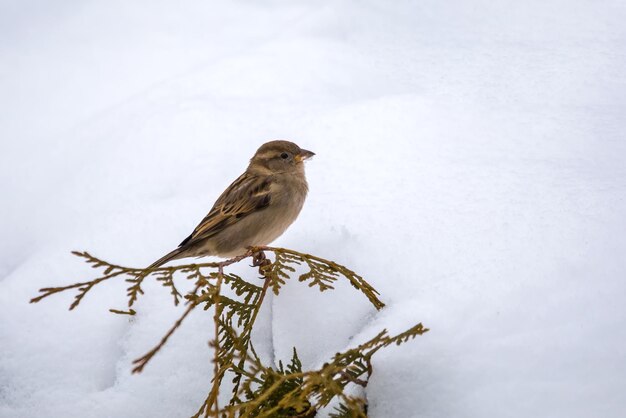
[[350, 407], [322, 272], [97, 263], [83, 288], [135, 289], [242, 287], [213, 396], [279, 393], [168, 281], [283, 391], [130, 312], [247, 333], [351, 377]]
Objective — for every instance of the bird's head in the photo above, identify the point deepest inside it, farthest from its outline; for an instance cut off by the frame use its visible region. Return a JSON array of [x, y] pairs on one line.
[[276, 157]]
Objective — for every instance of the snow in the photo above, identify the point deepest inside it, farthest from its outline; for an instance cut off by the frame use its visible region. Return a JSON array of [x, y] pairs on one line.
[[470, 165]]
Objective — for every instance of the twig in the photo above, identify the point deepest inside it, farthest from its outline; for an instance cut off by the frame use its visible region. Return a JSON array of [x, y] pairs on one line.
[[247, 331], [213, 398], [353, 379], [83, 288]]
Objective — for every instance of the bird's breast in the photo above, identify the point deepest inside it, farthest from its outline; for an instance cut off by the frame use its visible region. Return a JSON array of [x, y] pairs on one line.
[[263, 227]]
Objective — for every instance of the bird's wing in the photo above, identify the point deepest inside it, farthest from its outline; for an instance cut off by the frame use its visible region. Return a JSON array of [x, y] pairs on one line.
[[246, 195]]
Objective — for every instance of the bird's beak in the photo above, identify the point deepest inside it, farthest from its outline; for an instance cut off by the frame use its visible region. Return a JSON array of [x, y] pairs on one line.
[[304, 155]]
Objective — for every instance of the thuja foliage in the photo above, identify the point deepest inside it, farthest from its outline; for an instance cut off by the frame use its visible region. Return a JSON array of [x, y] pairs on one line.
[[258, 390]]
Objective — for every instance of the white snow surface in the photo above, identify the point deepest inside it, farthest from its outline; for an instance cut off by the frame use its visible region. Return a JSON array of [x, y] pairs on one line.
[[470, 165]]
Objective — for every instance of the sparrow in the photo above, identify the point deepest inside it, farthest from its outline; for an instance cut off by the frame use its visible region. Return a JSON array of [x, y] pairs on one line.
[[255, 209]]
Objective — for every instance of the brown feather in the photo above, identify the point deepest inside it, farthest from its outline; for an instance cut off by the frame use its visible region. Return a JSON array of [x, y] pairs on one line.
[[255, 209], [246, 195], [172, 255]]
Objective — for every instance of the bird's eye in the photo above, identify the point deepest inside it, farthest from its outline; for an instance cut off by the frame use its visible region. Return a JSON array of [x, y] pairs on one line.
[[284, 155]]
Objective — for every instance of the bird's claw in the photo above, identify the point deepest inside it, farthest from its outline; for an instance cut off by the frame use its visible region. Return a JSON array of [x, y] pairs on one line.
[[260, 260]]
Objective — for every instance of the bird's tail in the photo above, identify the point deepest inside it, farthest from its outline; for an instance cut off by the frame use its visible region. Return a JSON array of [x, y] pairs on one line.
[[173, 255]]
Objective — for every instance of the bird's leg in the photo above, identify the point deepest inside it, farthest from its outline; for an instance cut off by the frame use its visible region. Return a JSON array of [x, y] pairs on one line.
[[260, 260]]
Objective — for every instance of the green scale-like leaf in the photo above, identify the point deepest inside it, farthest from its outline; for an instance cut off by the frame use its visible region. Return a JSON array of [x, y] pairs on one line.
[[259, 390]]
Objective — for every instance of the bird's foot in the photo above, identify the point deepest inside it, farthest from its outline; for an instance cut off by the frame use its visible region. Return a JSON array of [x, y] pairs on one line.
[[260, 260]]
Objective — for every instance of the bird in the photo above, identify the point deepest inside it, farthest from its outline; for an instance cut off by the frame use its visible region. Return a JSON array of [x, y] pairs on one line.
[[255, 209]]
